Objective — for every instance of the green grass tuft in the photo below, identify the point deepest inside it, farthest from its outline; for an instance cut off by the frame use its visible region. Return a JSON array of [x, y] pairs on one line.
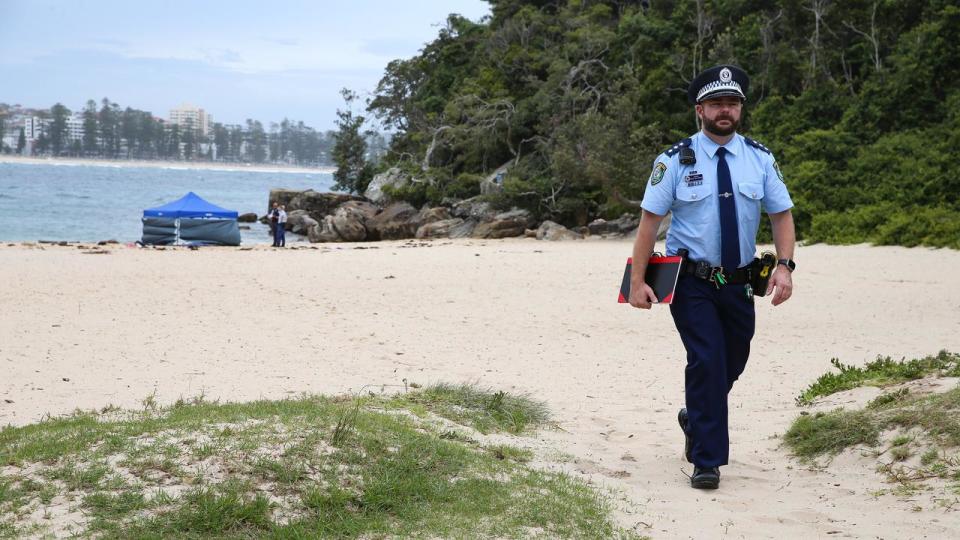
[[883, 371], [830, 433], [312, 467], [484, 410], [924, 425]]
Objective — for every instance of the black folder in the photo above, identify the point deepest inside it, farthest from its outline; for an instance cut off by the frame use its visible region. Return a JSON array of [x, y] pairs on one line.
[[661, 276]]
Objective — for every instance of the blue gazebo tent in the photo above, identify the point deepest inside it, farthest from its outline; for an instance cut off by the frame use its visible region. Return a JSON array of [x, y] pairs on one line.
[[190, 220]]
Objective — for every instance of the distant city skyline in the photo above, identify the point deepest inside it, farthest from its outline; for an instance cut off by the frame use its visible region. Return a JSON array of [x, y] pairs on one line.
[[237, 60]]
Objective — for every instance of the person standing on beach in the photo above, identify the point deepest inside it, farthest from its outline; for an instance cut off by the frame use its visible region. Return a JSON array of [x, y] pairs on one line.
[[273, 215], [716, 182], [281, 238]]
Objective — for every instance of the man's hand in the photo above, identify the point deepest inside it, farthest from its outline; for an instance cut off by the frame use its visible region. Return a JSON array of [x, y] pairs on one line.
[[782, 281], [642, 297]]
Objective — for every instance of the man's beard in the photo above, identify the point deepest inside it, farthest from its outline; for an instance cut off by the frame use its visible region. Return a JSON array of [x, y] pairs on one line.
[[712, 127]]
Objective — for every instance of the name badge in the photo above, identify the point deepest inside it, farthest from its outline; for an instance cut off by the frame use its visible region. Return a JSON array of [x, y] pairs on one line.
[[693, 179]]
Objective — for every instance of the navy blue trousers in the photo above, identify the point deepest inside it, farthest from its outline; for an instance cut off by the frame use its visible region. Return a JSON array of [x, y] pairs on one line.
[[716, 326], [280, 236]]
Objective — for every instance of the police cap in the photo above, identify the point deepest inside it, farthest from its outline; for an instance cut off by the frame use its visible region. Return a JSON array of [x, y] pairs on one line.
[[718, 81]]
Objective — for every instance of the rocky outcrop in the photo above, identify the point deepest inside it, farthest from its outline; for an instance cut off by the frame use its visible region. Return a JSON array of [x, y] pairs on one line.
[[473, 208], [393, 223], [549, 230], [323, 231], [504, 225], [349, 223], [439, 229], [465, 229], [318, 205], [392, 177], [429, 215], [283, 196], [299, 221], [339, 217], [365, 208], [621, 225]]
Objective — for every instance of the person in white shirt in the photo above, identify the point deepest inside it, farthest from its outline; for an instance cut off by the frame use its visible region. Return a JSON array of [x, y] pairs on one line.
[[281, 238]]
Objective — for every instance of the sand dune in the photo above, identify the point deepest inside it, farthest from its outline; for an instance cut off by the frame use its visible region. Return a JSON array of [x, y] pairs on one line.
[[87, 330]]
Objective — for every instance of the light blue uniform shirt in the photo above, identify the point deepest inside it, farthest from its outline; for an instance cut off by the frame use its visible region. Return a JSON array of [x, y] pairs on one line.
[[690, 192]]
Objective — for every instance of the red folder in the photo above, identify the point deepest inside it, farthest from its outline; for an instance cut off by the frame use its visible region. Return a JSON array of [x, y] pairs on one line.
[[661, 276]]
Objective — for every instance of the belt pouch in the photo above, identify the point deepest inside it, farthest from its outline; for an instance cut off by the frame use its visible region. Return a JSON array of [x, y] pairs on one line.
[[762, 270]]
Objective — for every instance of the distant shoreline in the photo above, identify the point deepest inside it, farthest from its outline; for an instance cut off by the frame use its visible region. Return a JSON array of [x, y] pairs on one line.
[[159, 164]]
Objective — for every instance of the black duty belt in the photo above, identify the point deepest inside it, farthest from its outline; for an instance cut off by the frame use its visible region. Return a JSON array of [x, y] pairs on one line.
[[715, 274]]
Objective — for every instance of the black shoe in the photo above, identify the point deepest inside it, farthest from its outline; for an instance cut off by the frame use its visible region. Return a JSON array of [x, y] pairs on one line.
[[684, 421], [705, 477]]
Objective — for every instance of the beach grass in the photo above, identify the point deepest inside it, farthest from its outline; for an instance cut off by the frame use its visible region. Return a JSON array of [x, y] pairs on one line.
[[413, 465], [884, 371], [914, 436]]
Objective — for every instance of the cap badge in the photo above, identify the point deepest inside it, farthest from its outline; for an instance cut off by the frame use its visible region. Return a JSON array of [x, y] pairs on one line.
[[725, 75]]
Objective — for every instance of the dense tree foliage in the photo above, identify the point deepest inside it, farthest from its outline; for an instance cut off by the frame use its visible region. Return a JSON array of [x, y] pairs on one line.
[[350, 149], [858, 99]]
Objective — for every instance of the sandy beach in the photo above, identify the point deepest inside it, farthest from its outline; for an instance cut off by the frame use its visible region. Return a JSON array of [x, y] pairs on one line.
[[84, 329], [159, 164]]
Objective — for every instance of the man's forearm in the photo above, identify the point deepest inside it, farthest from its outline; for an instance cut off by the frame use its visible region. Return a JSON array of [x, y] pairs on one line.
[[784, 235], [643, 246]]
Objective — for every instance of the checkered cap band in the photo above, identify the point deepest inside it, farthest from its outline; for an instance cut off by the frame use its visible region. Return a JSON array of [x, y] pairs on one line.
[[720, 86]]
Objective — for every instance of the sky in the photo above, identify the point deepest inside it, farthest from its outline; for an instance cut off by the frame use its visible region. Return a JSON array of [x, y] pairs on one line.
[[237, 59]]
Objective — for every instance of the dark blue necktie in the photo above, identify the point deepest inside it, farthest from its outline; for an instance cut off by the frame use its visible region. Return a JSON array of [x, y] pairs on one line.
[[729, 237]]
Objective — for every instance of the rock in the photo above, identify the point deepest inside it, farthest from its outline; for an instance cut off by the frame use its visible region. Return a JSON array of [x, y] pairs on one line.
[[599, 226], [243, 227], [249, 217], [505, 225], [299, 222], [438, 229], [323, 231], [394, 223], [282, 196], [549, 230], [465, 229], [105, 242], [473, 208], [429, 215], [318, 205], [392, 177], [621, 225], [365, 208], [348, 223], [530, 233]]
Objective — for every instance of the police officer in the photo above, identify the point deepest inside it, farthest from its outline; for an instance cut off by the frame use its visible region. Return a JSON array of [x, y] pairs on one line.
[[716, 183]]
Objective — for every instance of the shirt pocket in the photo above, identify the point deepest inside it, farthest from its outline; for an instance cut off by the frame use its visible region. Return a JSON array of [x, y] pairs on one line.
[[749, 201], [692, 206]]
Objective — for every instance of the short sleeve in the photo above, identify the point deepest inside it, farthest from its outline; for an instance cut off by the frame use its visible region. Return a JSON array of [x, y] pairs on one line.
[[658, 197], [776, 198]]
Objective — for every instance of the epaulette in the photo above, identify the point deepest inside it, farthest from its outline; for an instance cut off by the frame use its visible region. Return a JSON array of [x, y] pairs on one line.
[[757, 145], [676, 148]]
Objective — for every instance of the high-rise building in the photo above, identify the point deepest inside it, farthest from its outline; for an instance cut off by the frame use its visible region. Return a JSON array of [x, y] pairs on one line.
[[188, 116], [33, 127], [75, 127]]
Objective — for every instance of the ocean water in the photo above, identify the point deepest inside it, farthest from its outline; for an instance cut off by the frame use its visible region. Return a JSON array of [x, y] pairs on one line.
[[88, 203]]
